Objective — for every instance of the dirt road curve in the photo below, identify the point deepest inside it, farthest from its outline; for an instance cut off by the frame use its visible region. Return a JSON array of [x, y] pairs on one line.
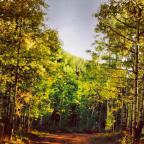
[[63, 139], [74, 138]]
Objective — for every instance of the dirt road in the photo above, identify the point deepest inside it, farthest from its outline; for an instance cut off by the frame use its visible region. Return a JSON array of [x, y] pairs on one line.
[[63, 139], [75, 138]]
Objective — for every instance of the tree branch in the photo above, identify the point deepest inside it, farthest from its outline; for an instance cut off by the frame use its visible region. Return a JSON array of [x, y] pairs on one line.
[[120, 34]]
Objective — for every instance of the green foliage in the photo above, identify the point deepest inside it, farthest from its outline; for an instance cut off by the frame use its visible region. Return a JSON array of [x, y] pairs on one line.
[[110, 121], [64, 92]]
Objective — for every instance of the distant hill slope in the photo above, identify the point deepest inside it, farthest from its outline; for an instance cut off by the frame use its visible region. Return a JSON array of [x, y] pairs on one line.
[[73, 61]]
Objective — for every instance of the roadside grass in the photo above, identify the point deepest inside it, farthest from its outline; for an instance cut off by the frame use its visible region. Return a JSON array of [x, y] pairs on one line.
[[106, 138]]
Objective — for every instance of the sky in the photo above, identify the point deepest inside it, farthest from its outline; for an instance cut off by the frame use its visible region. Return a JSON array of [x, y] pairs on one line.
[[74, 21]]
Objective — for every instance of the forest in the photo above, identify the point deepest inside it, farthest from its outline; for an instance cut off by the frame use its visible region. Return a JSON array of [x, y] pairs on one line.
[[43, 88]]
